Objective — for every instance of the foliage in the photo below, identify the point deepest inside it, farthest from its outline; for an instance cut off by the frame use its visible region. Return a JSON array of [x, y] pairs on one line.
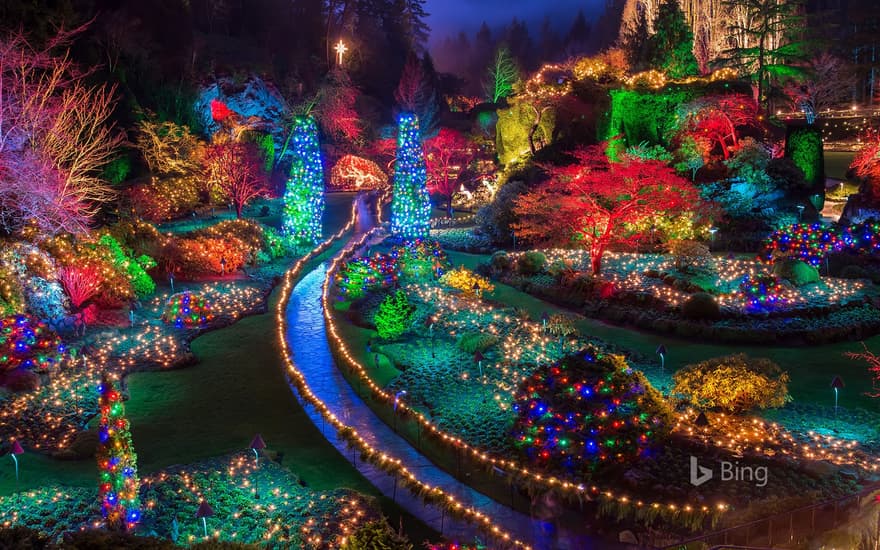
[[734, 383], [531, 262], [376, 535], [787, 175], [761, 292], [419, 260], [117, 170], [497, 218], [595, 203], [416, 93], [45, 299], [720, 119], [187, 310], [810, 243], [304, 197], [142, 284], [700, 306], [163, 199], [804, 147], [353, 173], [645, 116], [517, 132], [563, 407], [117, 463], [670, 48], [169, 148], [827, 84], [56, 136], [335, 109], [769, 42], [691, 154], [394, 315], [796, 272], [80, 282], [447, 156], [866, 165], [467, 281], [27, 343], [472, 342], [749, 163], [691, 256], [503, 75], [410, 204], [645, 151], [873, 362], [236, 170]]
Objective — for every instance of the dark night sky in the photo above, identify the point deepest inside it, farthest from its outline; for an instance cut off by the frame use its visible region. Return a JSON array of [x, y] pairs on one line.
[[450, 16]]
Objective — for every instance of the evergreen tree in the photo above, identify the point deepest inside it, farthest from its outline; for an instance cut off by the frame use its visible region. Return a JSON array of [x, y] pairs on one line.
[[417, 91], [304, 197], [410, 204], [578, 37], [411, 24], [550, 45], [635, 42], [670, 48], [117, 462]]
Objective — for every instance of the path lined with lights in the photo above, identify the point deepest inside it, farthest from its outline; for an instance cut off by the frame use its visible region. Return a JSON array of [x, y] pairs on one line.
[[461, 512]]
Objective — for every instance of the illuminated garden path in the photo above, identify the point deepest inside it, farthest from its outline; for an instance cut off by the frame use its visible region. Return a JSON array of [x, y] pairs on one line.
[[307, 338]]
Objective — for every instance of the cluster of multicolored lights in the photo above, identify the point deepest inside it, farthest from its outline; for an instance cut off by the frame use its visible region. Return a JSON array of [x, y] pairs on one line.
[[582, 411], [117, 463], [762, 292], [410, 204], [304, 197], [419, 258], [28, 343], [187, 310]]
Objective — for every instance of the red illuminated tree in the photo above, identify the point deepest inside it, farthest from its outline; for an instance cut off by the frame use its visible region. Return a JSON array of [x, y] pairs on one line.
[[335, 108], [719, 118], [80, 282], [236, 169], [866, 165], [598, 204], [448, 155], [873, 367]]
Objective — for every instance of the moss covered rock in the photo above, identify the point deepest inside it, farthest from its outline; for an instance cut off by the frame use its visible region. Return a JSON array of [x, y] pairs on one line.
[[796, 272]]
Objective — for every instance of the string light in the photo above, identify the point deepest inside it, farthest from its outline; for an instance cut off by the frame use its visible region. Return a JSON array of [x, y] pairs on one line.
[[304, 197], [117, 463], [411, 205]]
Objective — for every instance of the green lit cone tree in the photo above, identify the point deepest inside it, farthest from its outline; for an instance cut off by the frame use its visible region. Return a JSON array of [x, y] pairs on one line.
[[410, 203], [304, 196]]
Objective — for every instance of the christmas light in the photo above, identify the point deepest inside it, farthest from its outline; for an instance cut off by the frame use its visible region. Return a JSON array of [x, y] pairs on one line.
[[410, 205], [118, 484], [304, 197]]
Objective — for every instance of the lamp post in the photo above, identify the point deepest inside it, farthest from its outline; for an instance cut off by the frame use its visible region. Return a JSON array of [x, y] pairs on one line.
[[16, 450], [661, 351], [544, 318], [837, 384], [429, 322], [478, 357], [397, 397], [257, 444], [205, 511], [223, 266]]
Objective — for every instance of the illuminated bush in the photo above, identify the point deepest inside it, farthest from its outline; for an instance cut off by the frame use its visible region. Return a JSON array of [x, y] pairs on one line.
[[691, 257], [761, 292], [353, 173], [162, 200], [734, 383], [28, 343], [187, 310], [810, 243], [466, 280], [804, 147], [472, 342], [587, 410], [394, 316], [419, 260], [700, 306], [531, 263], [376, 535]]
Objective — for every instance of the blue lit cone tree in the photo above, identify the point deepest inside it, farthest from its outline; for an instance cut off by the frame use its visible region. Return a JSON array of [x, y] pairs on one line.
[[117, 462], [304, 197], [410, 204]]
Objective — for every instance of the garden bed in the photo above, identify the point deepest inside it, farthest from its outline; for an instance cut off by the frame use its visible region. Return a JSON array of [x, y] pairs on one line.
[[647, 292]]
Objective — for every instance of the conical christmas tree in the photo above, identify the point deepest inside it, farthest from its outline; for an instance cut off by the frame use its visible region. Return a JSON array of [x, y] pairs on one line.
[[410, 204], [117, 462], [304, 197]]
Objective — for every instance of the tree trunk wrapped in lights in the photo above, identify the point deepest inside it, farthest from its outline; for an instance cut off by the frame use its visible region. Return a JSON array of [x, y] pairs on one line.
[[304, 198], [410, 205], [117, 462]]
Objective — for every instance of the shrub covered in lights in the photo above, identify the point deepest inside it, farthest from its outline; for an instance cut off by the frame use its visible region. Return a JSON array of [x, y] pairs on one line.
[[410, 204], [734, 383], [467, 281], [304, 197], [28, 343], [117, 462], [761, 292], [394, 316], [810, 243], [418, 260], [187, 310], [586, 410]]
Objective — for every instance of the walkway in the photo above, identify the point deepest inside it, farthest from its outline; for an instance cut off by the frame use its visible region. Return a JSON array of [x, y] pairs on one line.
[[306, 336]]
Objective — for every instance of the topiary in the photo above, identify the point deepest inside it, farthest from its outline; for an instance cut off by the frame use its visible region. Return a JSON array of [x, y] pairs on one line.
[[796, 272], [394, 315], [472, 342], [465, 280], [733, 383], [854, 272], [700, 306], [586, 410], [500, 261], [531, 262]]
